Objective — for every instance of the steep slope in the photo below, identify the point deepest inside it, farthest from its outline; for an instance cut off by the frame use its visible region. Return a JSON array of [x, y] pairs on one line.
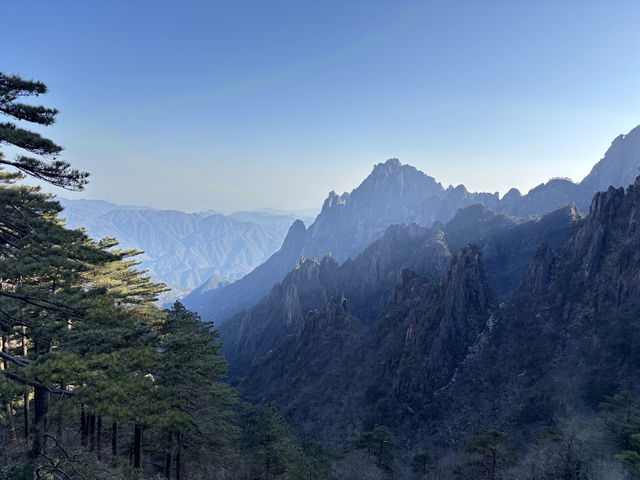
[[569, 336], [508, 244], [367, 282], [181, 249], [393, 368], [445, 361], [619, 167], [395, 193], [279, 314], [227, 301]]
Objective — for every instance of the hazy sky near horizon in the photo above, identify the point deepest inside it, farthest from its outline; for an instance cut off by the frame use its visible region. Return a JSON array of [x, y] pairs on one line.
[[231, 105]]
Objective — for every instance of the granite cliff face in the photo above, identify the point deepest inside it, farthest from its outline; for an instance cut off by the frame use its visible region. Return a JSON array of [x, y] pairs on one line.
[[394, 194], [259, 329], [393, 367], [367, 282], [618, 168], [446, 360], [569, 335]]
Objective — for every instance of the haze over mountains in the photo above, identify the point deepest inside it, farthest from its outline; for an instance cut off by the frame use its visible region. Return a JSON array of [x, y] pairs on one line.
[[185, 249], [442, 330], [394, 194], [436, 314]]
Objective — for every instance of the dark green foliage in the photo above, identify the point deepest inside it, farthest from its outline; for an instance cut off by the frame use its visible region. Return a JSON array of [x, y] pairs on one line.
[[422, 464], [268, 441], [270, 451], [24, 472], [631, 460], [47, 167], [381, 443], [622, 414], [193, 407], [487, 457]]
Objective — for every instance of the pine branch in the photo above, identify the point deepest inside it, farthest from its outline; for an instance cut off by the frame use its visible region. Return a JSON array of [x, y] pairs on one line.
[[46, 304], [18, 361], [12, 87], [34, 383], [30, 113], [30, 141], [57, 173]]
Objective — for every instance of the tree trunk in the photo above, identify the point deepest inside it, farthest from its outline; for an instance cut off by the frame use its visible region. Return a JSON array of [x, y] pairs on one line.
[[92, 432], [114, 439], [178, 466], [83, 426], [41, 400], [99, 435], [12, 426], [27, 420], [60, 419], [167, 467], [25, 350], [137, 445], [7, 406]]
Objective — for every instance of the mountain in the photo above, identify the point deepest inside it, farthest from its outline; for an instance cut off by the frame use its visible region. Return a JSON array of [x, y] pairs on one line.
[[270, 218], [394, 194], [446, 359], [181, 249], [367, 282]]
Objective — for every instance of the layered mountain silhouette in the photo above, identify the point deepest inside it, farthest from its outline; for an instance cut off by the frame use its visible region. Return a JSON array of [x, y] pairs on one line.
[[400, 194], [446, 357], [185, 250], [367, 281]]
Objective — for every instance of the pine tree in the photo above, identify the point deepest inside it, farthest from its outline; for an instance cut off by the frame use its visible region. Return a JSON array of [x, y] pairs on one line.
[[45, 165], [194, 406], [379, 442], [622, 414], [487, 457]]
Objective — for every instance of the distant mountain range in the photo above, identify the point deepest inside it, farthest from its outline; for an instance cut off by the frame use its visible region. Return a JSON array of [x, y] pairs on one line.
[[400, 194], [182, 249]]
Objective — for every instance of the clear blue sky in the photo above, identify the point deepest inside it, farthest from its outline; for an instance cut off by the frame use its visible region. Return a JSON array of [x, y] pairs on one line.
[[240, 104]]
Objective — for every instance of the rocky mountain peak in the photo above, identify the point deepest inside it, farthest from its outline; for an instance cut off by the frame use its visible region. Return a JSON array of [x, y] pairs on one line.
[[334, 200], [619, 166], [466, 284], [614, 215], [512, 194], [392, 177], [387, 167], [323, 321], [295, 236], [467, 302]]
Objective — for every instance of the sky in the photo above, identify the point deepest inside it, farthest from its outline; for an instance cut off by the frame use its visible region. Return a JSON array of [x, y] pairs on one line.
[[197, 105]]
